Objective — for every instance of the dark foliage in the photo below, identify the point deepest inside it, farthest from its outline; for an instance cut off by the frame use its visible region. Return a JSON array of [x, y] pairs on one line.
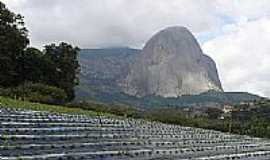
[[13, 42], [62, 67], [214, 113], [36, 93], [56, 67]]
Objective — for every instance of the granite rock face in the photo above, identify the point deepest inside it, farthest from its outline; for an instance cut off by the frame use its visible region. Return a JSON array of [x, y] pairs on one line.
[[171, 64]]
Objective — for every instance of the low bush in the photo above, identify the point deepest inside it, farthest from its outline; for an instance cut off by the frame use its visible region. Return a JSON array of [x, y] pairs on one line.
[[36, 93], [119, 110]]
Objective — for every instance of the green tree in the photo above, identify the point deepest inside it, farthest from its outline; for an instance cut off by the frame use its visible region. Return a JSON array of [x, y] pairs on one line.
[[213, 113], [13, 41], [33, 66], [62, 67]]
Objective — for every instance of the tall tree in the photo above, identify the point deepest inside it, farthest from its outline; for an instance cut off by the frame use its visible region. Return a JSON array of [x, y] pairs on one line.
[[32, 65], [13, 41], [63, 67]]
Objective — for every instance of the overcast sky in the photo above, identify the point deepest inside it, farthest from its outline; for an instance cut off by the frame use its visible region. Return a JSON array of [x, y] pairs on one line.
[[235, 33]]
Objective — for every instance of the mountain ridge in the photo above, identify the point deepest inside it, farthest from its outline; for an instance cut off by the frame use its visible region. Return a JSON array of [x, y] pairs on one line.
[[97, 87], [172, 64], [172, 58]]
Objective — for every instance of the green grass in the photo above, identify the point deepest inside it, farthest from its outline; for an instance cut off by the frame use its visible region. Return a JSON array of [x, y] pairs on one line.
[[11, 103]]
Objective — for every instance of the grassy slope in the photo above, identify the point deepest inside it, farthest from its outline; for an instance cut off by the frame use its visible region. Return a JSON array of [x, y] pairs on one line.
[[10, 103]]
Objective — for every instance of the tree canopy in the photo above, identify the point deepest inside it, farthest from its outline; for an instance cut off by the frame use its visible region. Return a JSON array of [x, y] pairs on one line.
[[56, 65], [13, 42], [63, 67]]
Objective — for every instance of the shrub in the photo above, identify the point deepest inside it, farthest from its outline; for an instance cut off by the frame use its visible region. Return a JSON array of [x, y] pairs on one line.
[[36, 93], [2, 91], [116, 109]]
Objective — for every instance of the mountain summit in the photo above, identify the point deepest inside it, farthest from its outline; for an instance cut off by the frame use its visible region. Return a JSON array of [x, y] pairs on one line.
[[172, 64]]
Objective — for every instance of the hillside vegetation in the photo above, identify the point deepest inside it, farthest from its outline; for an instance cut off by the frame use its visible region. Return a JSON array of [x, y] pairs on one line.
[[18, 104], [109, 95], [47, 76], [246, 120]]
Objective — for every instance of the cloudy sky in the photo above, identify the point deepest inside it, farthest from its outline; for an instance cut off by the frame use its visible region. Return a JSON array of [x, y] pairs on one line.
[[235, 33]]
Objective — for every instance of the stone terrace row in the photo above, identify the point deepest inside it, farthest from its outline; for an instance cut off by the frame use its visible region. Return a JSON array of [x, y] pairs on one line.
[[28, 134]]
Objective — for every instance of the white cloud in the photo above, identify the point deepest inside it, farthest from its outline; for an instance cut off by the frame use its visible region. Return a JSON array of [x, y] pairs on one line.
[[93, 23], [243, 56], [244, 8]]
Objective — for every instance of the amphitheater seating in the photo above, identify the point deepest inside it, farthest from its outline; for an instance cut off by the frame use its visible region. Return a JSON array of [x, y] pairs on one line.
[[42, 135]]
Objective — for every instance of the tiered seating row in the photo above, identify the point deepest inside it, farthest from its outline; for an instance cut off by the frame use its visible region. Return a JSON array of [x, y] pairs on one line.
[[43, 135]]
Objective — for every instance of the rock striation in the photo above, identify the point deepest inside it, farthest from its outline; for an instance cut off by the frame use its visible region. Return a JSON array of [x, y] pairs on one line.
[[171, 64]]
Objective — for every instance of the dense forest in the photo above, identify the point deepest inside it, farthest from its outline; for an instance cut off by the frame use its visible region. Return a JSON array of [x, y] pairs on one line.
[[47, 76]]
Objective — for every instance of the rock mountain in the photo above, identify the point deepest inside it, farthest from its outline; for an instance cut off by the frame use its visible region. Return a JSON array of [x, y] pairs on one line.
[[171, 65]]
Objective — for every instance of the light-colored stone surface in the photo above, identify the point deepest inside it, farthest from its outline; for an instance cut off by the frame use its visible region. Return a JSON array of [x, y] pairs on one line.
[[66, 137], [172, 64]]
